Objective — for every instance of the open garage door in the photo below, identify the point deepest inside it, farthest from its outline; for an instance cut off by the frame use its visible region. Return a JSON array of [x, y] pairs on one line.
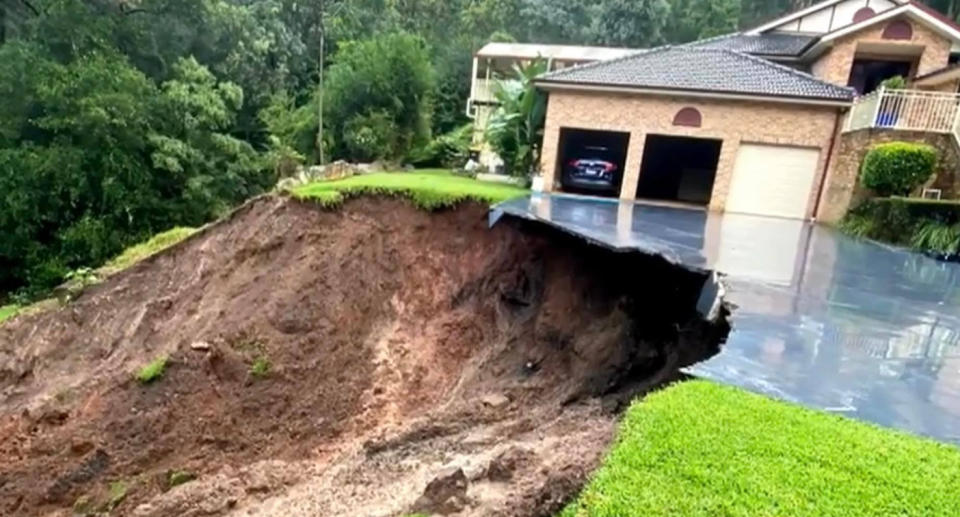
[[678, 168], [592, 162], [772, 180]]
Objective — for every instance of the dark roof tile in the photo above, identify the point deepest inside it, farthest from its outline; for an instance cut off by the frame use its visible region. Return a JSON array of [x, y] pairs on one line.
[[769, 44], [702, 70]]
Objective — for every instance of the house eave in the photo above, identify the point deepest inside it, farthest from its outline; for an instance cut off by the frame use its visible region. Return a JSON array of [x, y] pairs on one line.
[[675, 92]]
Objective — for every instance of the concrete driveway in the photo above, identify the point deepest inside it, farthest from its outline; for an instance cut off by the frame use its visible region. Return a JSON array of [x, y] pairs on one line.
[[847, 326]]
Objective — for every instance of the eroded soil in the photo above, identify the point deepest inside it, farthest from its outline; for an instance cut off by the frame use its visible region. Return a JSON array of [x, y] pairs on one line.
[[418, 362]]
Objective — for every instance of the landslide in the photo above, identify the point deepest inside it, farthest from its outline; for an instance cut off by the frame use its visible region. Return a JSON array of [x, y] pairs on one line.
[[417, 362]]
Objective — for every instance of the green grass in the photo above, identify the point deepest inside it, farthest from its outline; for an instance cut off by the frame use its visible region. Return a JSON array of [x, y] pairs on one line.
[[428, 189], [260, 367], [8, 311], [138, 252], [701, 449], [152, 371], [180, 477]]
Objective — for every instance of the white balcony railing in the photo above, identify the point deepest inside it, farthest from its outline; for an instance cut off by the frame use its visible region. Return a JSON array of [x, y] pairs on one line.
[[483, 90], [909, 110]]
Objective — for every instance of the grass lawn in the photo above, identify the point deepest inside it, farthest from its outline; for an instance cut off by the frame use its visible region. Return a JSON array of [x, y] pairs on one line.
[[7, 311], [428, 189], [702, 449], [138, 252]]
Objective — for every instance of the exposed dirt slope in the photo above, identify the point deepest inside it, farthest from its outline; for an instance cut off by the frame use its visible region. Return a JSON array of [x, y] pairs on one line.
[[403, 346]]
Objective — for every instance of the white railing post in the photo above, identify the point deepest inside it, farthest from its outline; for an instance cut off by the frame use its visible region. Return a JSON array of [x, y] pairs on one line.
[[956, 122], [876, 110]]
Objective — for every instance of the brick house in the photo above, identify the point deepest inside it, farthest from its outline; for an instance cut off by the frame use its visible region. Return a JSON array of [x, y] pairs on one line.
[[770, 121]]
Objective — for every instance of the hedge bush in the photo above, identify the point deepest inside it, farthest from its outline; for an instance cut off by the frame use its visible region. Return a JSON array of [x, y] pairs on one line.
[[896, 168], [922, 224]]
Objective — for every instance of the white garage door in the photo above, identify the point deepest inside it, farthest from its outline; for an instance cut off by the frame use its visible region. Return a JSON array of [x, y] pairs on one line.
[[772, 180]]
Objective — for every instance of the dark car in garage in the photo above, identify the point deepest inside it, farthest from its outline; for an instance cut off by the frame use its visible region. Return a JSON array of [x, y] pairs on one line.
[[593, 168]]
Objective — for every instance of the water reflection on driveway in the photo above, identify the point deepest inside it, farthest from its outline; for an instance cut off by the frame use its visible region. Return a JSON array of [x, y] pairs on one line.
[[821, 319]]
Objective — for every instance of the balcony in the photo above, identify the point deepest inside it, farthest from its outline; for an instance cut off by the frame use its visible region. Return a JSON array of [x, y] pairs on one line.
[[483, 90], [907, 110]]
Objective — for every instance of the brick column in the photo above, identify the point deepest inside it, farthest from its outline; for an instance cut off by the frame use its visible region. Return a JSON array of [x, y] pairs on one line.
[[548, 156], [724, 175], [631, 172]]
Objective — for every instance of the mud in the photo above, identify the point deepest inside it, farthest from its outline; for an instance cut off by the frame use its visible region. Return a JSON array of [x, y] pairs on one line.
[[417, 362]]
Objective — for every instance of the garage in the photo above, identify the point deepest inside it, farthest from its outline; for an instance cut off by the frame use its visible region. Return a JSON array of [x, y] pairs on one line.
[[772, 180], [592, 162], [678, 168]]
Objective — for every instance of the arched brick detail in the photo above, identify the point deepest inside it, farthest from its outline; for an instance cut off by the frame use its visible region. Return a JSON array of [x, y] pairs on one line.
[[689, 117], [862, 14], [898, 29]]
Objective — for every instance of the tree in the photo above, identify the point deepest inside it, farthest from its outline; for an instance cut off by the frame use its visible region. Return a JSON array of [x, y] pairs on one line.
[[209, 169], [515, 130], [698, 19], [630, 23], [389, 76]]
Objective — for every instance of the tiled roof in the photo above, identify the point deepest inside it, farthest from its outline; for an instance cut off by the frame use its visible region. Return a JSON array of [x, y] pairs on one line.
[[700, 70], [770, 44]]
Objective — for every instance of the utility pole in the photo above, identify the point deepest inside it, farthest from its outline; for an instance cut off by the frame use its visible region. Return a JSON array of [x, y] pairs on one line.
[[323, 37]]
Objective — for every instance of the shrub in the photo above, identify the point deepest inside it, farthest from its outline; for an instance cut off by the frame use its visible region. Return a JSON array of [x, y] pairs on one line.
[[450, 150], [370, 137], [938, 237], [896, 168], [152, 371], [922, 224], [896, 82]]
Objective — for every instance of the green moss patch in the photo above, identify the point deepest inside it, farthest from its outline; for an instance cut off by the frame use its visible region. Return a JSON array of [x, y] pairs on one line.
[[701, 449]]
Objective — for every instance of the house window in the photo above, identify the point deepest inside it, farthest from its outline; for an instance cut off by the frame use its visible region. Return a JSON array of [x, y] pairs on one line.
[[867, 74], [688, 117], [862, 14], [898, 29]]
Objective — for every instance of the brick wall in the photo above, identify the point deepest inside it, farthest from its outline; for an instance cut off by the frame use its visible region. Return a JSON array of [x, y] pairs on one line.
[[730, 121], [834, 65], [843, 189]]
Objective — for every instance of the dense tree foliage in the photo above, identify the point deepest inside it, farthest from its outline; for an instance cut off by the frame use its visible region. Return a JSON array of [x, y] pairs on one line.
[[121, 118]]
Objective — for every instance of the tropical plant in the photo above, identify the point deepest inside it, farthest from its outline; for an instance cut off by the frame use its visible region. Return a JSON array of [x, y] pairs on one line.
[[515, 130]]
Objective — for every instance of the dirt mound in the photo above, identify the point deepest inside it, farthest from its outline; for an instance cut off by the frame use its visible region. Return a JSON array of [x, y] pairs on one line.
[[374, 360]]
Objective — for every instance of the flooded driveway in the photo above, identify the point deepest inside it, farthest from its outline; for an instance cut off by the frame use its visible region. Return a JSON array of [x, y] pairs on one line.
[[847, 326]]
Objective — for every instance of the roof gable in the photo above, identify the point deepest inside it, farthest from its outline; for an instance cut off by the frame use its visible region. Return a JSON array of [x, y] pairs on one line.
[[826, 16], [700, 70], [914, 11]]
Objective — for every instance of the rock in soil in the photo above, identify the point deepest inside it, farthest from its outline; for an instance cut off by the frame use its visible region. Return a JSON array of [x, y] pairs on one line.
[[381, 327], [445, 494]]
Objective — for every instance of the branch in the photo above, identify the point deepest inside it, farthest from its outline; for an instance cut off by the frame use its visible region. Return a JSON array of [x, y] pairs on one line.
[[30, 6]]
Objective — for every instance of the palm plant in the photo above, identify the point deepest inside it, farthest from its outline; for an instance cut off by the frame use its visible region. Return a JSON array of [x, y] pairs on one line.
[[515, 130]]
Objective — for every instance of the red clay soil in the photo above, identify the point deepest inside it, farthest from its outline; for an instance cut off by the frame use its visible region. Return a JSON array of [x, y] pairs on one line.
[[418, 362]]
